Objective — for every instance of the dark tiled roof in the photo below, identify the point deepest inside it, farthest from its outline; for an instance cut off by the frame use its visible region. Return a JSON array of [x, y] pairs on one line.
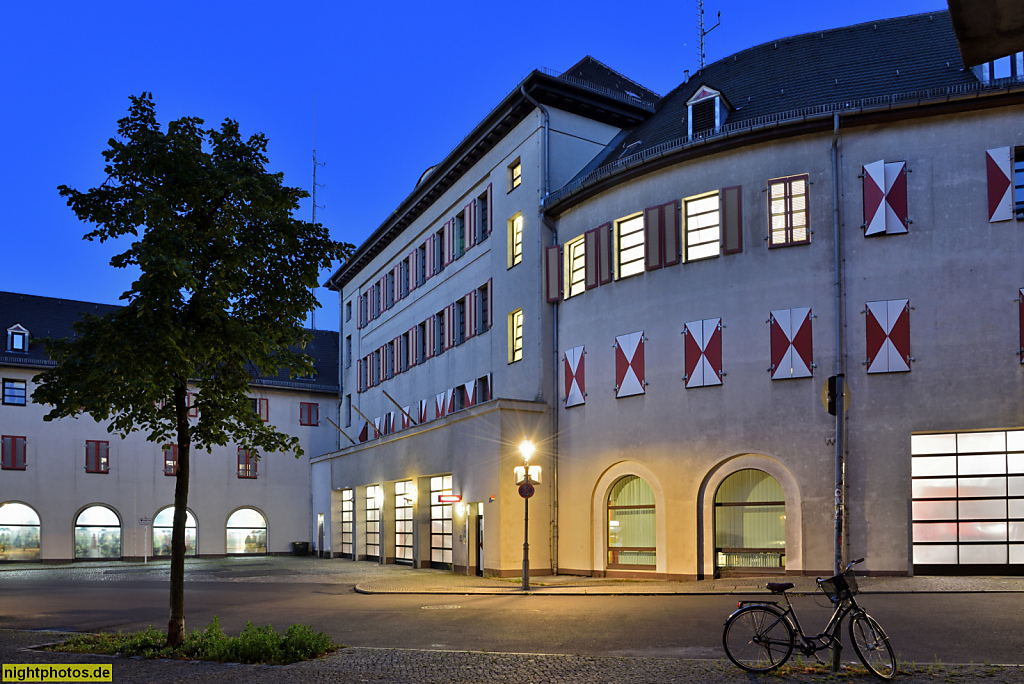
[[592, 71], [879, 58], [48, 317]]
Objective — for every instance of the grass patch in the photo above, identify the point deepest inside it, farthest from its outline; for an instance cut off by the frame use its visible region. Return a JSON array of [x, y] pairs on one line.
[[256, 645]]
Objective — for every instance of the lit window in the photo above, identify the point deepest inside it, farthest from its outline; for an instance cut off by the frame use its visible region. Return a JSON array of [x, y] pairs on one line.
[[703, 227], [97, 533], [246, 464], [441, 524], [750, 523], [374, 500], [163, 530], [309, 414], [515, 175], [788, 223], [15, 392], [346, 523], [12, 452], [20, 525], [246, 532], [629, 240], [405, 493], [632, 538], [171, 459], [515, 336], [515, 240], [575, 268], [97, 456]]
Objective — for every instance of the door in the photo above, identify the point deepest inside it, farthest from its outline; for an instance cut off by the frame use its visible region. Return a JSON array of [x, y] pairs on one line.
[[480, 544]]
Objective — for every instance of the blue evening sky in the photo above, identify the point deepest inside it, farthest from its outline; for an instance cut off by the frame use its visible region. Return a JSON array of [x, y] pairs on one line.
[[396, 85]]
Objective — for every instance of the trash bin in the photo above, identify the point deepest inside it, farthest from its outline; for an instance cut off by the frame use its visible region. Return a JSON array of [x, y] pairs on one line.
[[300, 548]]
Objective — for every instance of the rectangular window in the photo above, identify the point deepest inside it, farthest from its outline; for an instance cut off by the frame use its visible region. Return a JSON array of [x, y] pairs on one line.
[[459, 240], [788, 221], [575, 267], [376, 299], [348, 410], [17, 339], [460, 322], [404, 360], [515, 240], [515, 175], [483, 217], [703, 226], [1018, 182], [439, 251], [389, 360], [515, 336], [15, 392], [374, 499], [190, 401], [629, 246], [171, 459], [309, 413], [421, 343], [346, 522], [348, 311], [439, 340], [403, 277], [375, 368], [440, 522], [421, 264], [405, 494], [13, 452], [260, 407], [97, 456], [389, 290], [348, 351], [246, 464], [483, 318]]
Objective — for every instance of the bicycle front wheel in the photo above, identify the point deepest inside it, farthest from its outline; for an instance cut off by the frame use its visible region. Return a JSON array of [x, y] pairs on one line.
[[758, 638], [872, 646]]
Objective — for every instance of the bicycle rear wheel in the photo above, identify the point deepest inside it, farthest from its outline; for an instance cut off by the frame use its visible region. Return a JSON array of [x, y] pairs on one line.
[[872, 646], [758, 638]]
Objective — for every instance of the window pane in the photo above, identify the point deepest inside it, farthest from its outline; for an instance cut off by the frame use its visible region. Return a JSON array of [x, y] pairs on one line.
[[1017, 531], [247, 540], [1015, 486], [98, 515], [165, 518], [982, 531], [246, 517], [97, 542], [932, 444], [17, 514], [933, 489], [1015, 440], [983, 553], [934, 510], [983, 509], [926, 555], [935, 532], [1015, 463], [980, 442], [973, 487], [982, 464], [933, 465]]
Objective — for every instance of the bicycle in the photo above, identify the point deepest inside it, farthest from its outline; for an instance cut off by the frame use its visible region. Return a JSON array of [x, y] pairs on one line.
[[760, 636]]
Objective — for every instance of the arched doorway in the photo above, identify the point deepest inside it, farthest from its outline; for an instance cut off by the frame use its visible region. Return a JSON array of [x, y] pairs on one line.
[[750, 524], [163, 529], [97, 534], [246, 532], [632, 529], [19, 532]]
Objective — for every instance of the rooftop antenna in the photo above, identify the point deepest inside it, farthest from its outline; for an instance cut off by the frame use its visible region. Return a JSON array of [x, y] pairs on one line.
[[700, 29], [312, 314]]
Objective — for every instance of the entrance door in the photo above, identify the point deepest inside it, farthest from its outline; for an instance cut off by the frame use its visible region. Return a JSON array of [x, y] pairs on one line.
[[480, 544], [320, 534]]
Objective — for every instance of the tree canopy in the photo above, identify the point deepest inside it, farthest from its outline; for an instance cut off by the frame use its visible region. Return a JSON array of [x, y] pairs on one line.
[[226, 280]]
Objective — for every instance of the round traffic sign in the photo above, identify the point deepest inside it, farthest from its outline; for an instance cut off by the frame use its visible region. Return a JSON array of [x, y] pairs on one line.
[[526, 490]]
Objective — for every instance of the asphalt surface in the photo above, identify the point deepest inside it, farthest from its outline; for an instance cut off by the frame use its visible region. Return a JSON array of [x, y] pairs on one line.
[[434, 612]]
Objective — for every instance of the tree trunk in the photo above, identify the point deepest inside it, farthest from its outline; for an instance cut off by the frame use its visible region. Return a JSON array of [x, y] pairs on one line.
[[176, 625]]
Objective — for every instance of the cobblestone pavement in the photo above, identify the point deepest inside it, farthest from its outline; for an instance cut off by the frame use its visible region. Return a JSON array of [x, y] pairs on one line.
[[455, 667], [373, 578]]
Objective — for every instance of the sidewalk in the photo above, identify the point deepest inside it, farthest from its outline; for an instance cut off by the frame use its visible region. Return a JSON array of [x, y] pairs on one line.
[[373, 578]]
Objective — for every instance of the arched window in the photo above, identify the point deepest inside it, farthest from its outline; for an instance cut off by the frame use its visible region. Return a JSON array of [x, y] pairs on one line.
[[247, 532], [97, 534], [750, 524], [631, 525], [163, 529], [19, 532]]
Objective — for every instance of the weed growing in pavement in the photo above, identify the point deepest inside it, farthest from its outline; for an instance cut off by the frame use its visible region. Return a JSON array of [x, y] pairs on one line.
[[258, 645]]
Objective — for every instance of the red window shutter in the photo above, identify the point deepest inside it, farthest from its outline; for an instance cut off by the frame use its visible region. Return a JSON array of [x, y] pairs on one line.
[[450, 398], [364, 431], [629, 365], [397, 278], [999, 170], [652, 238], [490, 304], [359, 312], [440, 405], [591, 258], [575, 386], [703, 353], [1020, 307], [469, 394], [469, 306], [732, 220], [359, 376], [396, 356], [490, 215], [91, 456], [449, 242], [406, 414], [449, 326], [553, 272], [604, 250], [421, 416], [899, 335], [874, 198], [791, 344], [887, 327], [671, 250], [896, 197], [470, 224]]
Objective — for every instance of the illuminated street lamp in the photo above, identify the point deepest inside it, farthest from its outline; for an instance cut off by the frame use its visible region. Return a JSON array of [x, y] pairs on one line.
[[526, 477]]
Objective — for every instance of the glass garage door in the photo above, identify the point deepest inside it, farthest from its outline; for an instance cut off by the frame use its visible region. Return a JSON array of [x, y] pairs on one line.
[[968, 502]]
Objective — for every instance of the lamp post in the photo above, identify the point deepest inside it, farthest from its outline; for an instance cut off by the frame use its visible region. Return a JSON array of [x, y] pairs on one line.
[[526, 477]]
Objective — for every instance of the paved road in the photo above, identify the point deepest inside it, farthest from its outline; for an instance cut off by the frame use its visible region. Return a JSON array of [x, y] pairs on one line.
[[953, 628]]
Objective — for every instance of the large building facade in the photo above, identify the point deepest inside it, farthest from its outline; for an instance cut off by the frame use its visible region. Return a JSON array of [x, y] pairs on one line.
[[71, 490], [654, 290]]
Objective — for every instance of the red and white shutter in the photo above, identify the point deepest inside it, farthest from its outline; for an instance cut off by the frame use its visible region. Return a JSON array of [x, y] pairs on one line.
[[414, 344], [629, 365], [470, 389], [449, 242], [359, 311], [450, 398], [470, 224], [429, 330], [421, 411], [604, 250], [791, 344], [553, 272], [440, 405], [575, 381], [396, 278], [359, 376], [410, 270], [469, 306], [396, 363], [489, 318], [377, 427], [406, 413], [671, 246], [999, 169], [887, 327], [364, 431], [703, 353], [652, 238], [591, 259], [874, 198], [885, 198]]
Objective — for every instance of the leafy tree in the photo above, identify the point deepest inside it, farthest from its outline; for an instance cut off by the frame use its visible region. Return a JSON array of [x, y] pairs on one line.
[[226, 281]]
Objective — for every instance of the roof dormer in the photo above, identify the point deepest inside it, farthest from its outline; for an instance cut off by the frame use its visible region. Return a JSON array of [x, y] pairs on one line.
[[17, 338], [705, 111]]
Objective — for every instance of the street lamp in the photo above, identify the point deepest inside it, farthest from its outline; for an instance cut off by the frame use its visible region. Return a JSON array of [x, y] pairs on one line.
[[526, 477]]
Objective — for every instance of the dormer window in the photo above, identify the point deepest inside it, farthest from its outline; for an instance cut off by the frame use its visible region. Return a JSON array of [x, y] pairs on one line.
[[705, 112], [1008, 67], [17, 338]]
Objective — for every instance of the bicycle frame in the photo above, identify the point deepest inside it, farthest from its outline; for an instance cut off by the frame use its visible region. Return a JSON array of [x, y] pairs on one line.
[[829, 636]]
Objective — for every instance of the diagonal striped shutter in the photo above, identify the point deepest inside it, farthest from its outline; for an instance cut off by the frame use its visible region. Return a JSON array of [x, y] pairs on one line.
[[999, 170], [874, 198]]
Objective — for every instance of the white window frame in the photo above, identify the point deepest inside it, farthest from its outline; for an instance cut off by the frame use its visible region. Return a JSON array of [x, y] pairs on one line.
[[629, 246], [515, 336], [575, 267], [515, 240], [702, 227]]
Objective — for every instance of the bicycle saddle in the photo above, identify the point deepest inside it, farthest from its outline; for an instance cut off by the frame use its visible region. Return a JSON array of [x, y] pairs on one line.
[[779, 587]]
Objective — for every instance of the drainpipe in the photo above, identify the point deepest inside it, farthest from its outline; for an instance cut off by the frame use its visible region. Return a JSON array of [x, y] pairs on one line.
[[840, 439], [554, 336]]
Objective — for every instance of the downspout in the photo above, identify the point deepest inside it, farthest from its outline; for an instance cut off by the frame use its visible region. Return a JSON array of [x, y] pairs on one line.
[[840, 439], [554, 337]]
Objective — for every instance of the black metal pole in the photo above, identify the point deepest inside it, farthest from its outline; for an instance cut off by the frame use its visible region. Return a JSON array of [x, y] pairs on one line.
[[526, 542]]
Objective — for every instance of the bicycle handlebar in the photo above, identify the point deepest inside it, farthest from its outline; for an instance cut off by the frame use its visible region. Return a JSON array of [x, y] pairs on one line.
[[848, 566]]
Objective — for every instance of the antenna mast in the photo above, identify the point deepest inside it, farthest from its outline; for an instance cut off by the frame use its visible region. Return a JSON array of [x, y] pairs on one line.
[[700, 29], [312, 314]]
